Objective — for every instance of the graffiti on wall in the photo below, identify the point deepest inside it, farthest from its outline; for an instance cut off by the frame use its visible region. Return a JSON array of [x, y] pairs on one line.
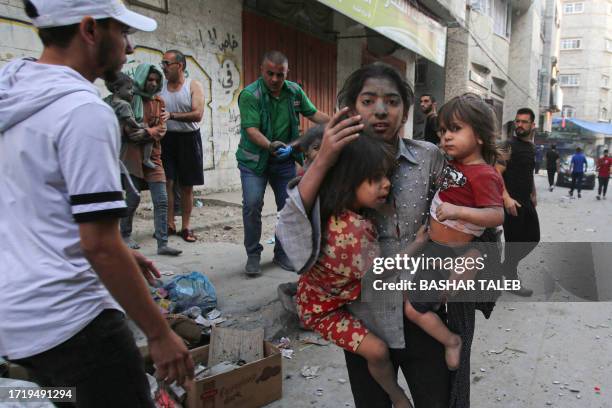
[[218, 70], [194, 71]]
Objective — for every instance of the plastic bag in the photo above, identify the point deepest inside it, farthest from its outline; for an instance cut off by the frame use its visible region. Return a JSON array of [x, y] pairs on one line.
[[190, 290]]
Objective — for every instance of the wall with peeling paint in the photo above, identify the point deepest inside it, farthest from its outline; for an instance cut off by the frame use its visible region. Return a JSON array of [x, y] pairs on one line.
[[209, 33]]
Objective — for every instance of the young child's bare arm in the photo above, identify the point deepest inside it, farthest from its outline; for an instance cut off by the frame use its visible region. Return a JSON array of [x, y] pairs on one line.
[[487, 217], [135, 134]]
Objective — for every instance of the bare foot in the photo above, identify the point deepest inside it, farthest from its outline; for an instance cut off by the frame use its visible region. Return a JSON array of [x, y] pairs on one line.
[[452, 353]]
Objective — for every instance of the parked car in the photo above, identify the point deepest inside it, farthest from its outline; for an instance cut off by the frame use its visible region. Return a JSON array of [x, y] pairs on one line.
[[564, 178]]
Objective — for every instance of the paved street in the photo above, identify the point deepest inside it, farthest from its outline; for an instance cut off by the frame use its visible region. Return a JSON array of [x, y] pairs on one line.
[[518, 356]]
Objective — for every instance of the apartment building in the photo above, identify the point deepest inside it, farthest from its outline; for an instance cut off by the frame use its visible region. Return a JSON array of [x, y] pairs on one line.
[[585, 61]]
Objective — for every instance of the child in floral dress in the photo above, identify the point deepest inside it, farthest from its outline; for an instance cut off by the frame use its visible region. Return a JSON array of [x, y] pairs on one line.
[[356, 184]]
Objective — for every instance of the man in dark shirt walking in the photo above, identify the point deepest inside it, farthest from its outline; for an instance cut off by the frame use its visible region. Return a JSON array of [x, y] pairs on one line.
[[430, 131], [552, 165], [521, 225]]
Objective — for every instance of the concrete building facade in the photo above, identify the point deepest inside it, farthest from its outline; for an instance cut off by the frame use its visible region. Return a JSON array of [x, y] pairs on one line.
[[585, 60], [551, 95], [211, 34], [497, 55]]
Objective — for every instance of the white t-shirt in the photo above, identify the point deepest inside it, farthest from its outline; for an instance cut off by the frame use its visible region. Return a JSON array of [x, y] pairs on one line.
[[58, 166]]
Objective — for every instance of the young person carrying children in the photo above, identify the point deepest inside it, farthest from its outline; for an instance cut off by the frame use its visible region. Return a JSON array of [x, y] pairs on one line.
[[358, 182], [376, 97], [149, 108], [469, 200]]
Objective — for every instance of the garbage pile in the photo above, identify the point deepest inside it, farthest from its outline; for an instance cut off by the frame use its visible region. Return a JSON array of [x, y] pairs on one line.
[[189, 304]]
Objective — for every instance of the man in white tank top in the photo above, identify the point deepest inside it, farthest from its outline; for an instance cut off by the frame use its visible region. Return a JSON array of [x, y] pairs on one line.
[[182, 145]]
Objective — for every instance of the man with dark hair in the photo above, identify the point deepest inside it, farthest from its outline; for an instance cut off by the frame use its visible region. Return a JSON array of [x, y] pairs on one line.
[[66, 270], [521, 225], [578, 165], [603, 174], [428, 107], [269, 109], [182, 145], [552, 165]]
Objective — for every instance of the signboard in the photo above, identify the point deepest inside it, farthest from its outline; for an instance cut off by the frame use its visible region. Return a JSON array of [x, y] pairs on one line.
[[398, 21]]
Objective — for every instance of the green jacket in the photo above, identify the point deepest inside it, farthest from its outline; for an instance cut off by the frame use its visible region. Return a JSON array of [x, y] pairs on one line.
[[251, 155]]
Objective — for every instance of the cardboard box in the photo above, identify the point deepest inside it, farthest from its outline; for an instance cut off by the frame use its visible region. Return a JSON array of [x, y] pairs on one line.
[[252, 385]]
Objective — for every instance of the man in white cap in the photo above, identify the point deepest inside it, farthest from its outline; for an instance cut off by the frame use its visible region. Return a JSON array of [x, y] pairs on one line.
[[65, 269]]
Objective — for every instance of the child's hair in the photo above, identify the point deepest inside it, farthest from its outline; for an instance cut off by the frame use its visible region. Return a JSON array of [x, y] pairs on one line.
[[122, 78], [473, 110], [365, 158], [354, 84], [312, 135]]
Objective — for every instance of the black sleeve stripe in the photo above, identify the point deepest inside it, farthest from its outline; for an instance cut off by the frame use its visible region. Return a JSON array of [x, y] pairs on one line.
[[93, 198], [100, 215]]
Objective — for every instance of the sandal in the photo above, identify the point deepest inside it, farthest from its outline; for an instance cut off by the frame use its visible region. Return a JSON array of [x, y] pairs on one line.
[[188, 235]]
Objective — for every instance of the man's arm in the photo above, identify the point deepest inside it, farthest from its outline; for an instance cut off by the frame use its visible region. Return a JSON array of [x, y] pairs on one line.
[[255, 136], [319, 118], [534, 194], [510, 204], [118, 270], [197, 105]]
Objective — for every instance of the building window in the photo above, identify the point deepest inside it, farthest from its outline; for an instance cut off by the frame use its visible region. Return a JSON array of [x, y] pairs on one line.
[[569, 80], [570, 44], [568, 111], [608, 45], [573, 8], [482, 6], [501, 17], [605, 81], [603, 114]]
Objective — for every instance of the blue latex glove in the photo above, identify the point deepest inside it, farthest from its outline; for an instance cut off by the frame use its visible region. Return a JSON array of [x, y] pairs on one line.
[[284, 152]]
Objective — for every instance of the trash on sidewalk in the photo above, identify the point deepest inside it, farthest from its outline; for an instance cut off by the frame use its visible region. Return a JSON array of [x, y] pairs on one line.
[[309, 372], [194, 289], [271, 240], [284, 346], [185, 328], [245, 371]]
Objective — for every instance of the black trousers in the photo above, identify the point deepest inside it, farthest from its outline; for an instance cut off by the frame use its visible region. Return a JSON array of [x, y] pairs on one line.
[[422, 363], [101, 361], [576, 182], [551, 176], [522, 234], [603, 185]]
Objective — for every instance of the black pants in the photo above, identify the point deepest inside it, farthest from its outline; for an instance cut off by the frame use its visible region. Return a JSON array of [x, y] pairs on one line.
[[576, 182], [522, 234], [101, 361], [423, 365], [551, 176], [603, 185]]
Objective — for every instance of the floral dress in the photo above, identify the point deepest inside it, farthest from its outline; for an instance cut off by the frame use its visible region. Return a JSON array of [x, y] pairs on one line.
[[348, 252]]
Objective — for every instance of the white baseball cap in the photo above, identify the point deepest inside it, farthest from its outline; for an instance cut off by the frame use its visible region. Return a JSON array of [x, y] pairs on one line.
[[57, 13]]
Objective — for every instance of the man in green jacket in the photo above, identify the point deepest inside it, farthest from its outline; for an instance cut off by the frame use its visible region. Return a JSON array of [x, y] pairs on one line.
[[269, 109]]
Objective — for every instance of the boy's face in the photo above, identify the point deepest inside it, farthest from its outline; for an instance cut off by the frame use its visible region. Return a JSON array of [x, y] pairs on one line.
[[126, 91], [313, 150]]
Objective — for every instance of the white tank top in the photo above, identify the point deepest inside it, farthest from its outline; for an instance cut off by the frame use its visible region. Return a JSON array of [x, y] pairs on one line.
[[179, 101]]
